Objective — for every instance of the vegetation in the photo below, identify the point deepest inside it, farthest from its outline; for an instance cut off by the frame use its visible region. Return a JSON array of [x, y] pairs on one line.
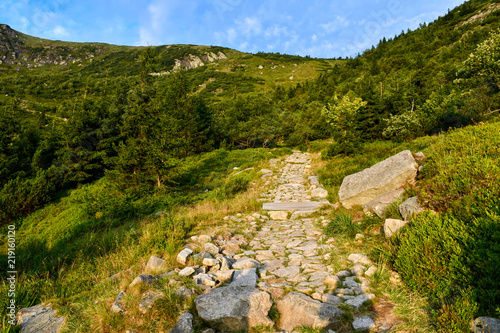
[[92, 148]]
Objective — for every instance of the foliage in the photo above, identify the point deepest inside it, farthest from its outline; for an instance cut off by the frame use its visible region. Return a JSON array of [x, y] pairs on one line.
[[485, 60], [341, 114], [401, 127]]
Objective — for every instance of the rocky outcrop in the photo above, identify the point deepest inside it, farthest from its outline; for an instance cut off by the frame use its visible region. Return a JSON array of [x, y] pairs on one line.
[[39, 318], [297, 310], [384, 177], [234, 308], [14, 51], [192, 61]]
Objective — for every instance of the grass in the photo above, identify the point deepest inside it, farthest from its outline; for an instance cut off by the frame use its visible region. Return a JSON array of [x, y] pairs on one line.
[[68, 252]]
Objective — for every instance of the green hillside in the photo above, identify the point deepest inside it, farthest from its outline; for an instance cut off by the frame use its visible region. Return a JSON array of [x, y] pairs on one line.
[[97, 138]]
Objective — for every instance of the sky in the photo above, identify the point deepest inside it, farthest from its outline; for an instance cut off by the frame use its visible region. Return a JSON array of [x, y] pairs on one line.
[[317, 28]]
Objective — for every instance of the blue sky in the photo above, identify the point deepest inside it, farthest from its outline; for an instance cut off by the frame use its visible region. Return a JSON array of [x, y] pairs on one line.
[[318, 28]]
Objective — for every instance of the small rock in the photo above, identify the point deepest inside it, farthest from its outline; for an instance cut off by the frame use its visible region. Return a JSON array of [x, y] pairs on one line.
[[226, 264], [143, 278], [117, 306], [332, 281], [210, 262], [359, 259], [154, 263], [287, 272], [358, 270], [245, 263], [147, 300], [319, 193], [343, 273], [371, 271], [359, 236], [187, 271], [420, 156], [211, 248], [184, 292], [331, 299], [204, 279], [392, 226], [362, 324], [410, 208], [184, 324], [359, 300], [278, 215], [183, 256], [204, 239], [223, 275]]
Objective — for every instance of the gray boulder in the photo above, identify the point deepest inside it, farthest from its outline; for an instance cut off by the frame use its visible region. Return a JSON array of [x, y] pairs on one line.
[[485, 325], [410, 208], [384, 177], [233, 308], [298, 309], [39, 318], [184, 324]]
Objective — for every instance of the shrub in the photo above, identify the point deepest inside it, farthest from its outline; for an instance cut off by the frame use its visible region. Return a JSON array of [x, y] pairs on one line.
[[454, 262]]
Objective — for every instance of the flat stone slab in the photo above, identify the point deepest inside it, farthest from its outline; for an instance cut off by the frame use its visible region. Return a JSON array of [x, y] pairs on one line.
[[307, 205]]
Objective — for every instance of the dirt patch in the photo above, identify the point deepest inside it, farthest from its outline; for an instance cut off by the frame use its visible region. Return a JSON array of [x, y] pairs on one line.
[[386, 319]]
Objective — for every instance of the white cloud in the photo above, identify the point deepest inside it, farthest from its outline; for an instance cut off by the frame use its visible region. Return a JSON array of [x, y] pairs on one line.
[[60, 31], [314, 37], [249, 26], [231, 35], [335, 25]]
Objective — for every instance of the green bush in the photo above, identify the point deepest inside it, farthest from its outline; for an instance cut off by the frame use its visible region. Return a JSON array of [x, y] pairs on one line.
[[443, 257]]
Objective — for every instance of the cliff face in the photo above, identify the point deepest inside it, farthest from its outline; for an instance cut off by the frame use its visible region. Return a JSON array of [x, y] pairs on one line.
[[14, 51]]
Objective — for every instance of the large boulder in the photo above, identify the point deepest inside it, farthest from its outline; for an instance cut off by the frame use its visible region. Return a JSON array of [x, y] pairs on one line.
[[298, 309], [485, 325], [39, 318], [384, 177], [234, 308]]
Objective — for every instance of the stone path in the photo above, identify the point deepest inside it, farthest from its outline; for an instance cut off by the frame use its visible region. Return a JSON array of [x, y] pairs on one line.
[[282, 259], [286, 256]]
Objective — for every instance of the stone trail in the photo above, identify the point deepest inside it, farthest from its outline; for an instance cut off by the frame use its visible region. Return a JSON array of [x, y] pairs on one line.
[[286, 257]]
